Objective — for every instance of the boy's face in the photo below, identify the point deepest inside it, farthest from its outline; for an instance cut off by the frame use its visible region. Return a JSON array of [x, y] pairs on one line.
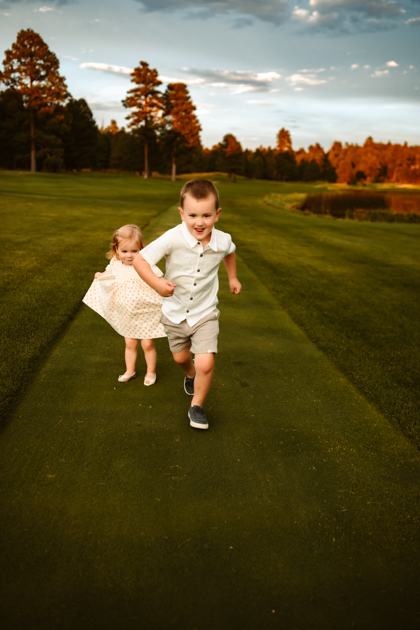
[[200, 217]]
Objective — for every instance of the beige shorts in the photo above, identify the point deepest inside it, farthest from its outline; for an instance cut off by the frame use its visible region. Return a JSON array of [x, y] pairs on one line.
[[202, 337]]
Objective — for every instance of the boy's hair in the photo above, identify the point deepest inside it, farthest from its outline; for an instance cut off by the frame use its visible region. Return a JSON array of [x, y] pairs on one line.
[[200, 189], [125, 233]]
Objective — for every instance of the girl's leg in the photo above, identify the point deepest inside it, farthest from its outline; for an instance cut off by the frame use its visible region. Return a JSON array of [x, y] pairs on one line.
[[130, 354], [150, 355]]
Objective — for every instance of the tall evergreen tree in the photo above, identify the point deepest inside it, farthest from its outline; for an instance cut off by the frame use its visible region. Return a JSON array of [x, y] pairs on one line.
[[80, 141], [13, 130], [284, 141], [182, 128], [234, 158], [31, 69], [146, 101]]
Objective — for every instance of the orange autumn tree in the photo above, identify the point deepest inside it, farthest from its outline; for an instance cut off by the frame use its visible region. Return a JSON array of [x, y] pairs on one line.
[[147, 103], [182, 128], [284, 141], [112, 127], [31, 69]]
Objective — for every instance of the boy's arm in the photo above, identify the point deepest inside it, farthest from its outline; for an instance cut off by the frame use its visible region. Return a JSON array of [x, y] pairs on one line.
[[162, 286], [230, 264]]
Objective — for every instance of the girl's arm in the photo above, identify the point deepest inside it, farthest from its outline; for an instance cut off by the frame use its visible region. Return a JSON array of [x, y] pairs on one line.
[[230, 264], [162, 286]]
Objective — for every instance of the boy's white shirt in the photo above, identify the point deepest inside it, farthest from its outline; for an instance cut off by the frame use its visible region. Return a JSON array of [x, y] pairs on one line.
[[192, 269]]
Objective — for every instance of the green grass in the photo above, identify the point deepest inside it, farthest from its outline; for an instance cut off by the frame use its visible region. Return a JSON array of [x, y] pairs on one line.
[[56, 230], [298, 508], [353, 287]]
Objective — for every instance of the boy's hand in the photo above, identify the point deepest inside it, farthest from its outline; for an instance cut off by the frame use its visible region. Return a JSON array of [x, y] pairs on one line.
[[235, 286], [166, 288]]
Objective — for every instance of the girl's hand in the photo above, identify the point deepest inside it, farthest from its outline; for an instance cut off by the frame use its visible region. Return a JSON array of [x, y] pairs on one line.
[[235, 286], [166, 288], [98, 274]]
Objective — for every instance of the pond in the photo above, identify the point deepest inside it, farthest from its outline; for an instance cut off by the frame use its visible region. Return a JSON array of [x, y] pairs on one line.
[[404, 203], [366, 205]]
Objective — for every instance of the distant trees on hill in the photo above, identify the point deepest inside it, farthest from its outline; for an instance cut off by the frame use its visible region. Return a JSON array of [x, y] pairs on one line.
[[43, 128]]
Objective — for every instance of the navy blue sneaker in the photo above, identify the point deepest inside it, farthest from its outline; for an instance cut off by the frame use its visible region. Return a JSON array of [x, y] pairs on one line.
[[197, 416], [189, 385]]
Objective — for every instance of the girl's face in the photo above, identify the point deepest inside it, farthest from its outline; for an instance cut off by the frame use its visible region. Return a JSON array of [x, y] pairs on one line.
[[127, 251]]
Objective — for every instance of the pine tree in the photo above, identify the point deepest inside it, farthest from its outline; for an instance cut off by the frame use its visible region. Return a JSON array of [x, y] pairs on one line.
[[182, 128], [31, 69], [147, 104], [234, 158], [284, 141], [80, 141]]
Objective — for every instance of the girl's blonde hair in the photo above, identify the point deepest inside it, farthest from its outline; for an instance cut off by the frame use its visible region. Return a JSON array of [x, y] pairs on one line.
[[125, 233]]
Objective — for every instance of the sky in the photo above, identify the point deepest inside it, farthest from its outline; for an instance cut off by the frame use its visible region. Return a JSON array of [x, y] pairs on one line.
[[326, 70]]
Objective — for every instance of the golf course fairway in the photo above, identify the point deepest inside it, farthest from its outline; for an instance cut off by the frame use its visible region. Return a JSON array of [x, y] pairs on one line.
[[297, 509]]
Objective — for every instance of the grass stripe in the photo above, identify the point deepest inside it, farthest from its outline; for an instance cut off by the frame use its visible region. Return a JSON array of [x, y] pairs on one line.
[[301, 498]]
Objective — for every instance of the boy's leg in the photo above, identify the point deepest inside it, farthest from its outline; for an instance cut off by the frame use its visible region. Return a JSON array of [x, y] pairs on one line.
[[184, 360], [204, 370]]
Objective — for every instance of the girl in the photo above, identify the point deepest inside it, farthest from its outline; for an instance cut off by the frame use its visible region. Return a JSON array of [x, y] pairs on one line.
[[132, 308]]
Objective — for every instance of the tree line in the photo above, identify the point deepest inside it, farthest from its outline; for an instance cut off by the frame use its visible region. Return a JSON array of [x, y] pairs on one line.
[[42, 127]]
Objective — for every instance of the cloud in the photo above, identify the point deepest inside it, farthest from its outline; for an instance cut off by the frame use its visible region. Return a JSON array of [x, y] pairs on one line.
[[237, 81], [44, 9], [377, 8], [104, 105], [105, 67], [274, 11], [354, 66], [392, 64], [316, 70], [413, 21], [349, 16], [186, 81], [299, 80], [379, 73]]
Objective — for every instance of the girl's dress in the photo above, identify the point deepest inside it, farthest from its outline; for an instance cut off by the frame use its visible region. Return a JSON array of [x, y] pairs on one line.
[[126, 302]]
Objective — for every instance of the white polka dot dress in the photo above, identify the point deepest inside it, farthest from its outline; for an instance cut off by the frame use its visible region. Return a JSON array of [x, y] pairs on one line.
[[126, 302]]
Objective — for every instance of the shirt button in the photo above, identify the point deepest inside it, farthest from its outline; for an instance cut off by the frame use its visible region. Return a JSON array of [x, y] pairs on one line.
[[201, 255], [195, 284], [198, 271], [198, 242], [190, 298], [188, 311]]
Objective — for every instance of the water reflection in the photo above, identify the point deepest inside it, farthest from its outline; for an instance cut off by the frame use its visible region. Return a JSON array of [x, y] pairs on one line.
[[404, 203]]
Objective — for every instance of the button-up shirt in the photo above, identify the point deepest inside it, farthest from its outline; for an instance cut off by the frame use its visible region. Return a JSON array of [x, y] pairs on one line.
[[193, 270]]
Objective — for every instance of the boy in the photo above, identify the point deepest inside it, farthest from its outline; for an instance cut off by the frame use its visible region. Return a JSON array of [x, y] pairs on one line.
[[193, 250]]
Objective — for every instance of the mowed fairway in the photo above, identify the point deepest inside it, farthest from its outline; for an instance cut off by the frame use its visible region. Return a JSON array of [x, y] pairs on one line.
[[299, 507]]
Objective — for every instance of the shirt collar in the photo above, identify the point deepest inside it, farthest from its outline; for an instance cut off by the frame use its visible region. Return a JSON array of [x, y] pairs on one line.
[[192, 242]]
